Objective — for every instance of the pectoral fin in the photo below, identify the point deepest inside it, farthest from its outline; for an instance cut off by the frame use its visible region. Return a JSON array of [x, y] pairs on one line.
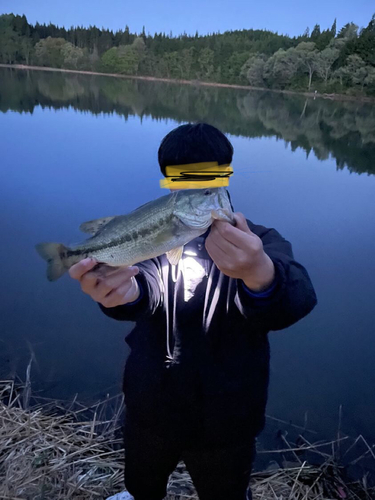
[[94, 226], [175, 255]]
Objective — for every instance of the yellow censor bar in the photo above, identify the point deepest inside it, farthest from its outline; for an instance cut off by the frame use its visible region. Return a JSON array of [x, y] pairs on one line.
[[196, 176]]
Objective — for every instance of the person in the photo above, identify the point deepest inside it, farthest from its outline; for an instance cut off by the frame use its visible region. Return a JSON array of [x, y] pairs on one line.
[[196, 379]]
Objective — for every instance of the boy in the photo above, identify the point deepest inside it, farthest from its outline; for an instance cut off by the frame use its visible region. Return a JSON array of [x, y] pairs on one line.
[[196, 379]]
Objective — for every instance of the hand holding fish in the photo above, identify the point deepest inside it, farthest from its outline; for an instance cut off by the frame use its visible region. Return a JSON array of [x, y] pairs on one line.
[[239, 253], [110, 287]]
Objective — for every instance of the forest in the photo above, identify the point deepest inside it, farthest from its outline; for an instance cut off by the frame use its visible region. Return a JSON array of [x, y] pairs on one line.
[[328, 60]]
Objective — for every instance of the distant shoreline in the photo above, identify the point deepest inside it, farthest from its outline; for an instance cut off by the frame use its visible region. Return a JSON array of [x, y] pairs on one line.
[[332, 97]]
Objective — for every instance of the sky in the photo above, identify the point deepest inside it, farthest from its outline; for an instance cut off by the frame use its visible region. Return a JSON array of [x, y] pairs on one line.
[[288, 17]]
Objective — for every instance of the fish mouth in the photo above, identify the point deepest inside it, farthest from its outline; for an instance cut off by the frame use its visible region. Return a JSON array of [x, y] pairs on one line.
[[223, 214]]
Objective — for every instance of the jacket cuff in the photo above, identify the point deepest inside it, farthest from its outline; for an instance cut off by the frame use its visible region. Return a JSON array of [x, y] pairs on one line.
[[264, 294], [272, 295]]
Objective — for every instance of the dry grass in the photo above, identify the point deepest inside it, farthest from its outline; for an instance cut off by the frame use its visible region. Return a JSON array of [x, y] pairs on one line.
[[53, 452], [50, 452]]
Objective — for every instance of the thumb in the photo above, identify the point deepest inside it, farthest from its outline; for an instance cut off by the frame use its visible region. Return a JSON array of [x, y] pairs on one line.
[[241, 223]]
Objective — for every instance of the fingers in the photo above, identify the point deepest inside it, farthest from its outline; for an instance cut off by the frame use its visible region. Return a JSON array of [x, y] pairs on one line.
[[241, 222], [128, 292], [105, 285], [111, 291], [88, 282], [215, 252], [237, 235], [231, 233], [103, 270], [225, 245], [78, 270]]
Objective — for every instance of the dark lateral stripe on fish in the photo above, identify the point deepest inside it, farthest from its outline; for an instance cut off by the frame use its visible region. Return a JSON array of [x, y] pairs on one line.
[[118, 241]]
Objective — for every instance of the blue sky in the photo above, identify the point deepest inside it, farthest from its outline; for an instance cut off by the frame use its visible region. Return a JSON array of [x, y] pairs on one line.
[[288, 16]]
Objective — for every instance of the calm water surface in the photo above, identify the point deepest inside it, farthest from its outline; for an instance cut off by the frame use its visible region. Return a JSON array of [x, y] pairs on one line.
[[74, 148]]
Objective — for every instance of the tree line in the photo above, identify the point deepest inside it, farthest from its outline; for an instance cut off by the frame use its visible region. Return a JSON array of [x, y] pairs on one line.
[[325, 128], [330, 60]]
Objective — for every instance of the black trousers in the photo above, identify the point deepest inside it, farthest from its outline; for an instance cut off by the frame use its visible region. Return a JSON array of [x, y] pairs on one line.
[[217, 473]]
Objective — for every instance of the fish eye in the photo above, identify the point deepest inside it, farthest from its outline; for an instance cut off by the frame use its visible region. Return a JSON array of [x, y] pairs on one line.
[[207, 192]]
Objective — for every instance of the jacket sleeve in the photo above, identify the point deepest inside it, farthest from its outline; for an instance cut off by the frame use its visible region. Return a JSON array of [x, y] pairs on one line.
[[151, 294], [292, 294]]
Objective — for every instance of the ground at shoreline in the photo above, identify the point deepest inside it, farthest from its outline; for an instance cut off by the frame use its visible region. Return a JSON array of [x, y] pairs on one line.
[[335, 97], [55, 452]]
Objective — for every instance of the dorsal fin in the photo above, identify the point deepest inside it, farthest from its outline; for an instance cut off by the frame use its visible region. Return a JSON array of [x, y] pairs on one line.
[[94, 226]]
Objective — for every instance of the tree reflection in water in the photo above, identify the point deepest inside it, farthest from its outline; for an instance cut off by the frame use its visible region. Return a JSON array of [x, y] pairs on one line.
[[342, 130]]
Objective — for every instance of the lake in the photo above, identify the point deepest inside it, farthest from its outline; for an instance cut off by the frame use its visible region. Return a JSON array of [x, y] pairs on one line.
[[77, 147]]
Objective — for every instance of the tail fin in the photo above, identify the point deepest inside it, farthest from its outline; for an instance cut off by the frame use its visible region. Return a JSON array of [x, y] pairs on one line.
[[54, 254]]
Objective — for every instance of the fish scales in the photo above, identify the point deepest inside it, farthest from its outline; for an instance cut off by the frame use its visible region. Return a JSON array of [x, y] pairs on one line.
[[135, 235]]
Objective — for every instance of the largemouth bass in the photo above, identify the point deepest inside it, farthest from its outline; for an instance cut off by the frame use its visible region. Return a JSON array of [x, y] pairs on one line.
[[161, 226]]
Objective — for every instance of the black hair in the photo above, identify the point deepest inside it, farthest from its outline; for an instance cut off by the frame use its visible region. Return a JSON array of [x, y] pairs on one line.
[[194, 143]]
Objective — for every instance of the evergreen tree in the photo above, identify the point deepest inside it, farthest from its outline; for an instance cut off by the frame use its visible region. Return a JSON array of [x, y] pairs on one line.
[[315, 34], [334, 28]]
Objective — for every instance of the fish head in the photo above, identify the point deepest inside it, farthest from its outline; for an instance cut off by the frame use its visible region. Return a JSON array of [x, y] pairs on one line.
[[197, 208]]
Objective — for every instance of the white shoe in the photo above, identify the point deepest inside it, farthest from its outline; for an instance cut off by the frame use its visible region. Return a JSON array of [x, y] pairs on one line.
[[124, 495]]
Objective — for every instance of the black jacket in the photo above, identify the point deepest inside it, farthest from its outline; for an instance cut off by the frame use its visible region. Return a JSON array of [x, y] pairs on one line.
[[199, 361]]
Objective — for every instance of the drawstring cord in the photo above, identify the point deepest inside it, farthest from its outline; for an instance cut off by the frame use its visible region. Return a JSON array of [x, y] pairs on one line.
[[175, 273], [207, 297], [166, 301], [214, 301]]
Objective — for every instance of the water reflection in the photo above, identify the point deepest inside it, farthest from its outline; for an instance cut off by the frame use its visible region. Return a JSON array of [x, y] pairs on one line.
[[59, 169], [345, 131]]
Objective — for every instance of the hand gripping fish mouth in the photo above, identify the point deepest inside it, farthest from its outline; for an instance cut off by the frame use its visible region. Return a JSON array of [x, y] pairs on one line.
[[223, 214]]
